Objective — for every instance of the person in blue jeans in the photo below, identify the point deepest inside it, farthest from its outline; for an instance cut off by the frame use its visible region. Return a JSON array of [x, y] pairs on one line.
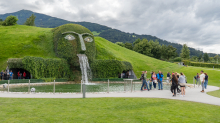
[[10, 75], [206, 80], [160, 80], [144, 82]]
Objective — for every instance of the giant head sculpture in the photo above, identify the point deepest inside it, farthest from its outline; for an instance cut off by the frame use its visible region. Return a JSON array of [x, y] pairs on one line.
[[73, 39]]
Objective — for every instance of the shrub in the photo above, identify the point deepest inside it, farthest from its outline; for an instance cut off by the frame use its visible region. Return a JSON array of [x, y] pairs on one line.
[[109, 68], [10, 20], [199, 64], [177, 59], [42, 68]]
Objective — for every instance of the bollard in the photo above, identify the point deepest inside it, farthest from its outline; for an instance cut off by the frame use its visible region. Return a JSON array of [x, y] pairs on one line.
[[81, 86], [213, 67], [29, 87], [54, 87], [194, 82], [134, 86], [124, 85], [8, 85], [108, 85], [131, 85], [84, 90]]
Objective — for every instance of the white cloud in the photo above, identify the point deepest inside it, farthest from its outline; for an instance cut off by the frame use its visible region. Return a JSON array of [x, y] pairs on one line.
[[195, 22]]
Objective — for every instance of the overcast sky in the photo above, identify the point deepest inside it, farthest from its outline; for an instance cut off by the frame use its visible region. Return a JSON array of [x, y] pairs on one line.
[[194, 22]]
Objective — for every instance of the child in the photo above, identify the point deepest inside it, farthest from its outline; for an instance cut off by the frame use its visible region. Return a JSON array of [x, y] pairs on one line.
[[150, 83]]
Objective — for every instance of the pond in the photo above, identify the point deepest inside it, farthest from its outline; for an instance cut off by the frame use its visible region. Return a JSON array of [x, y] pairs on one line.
[[76, 88]]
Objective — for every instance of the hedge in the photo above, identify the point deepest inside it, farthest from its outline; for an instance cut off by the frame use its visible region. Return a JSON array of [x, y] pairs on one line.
[[31, 81], [109, 68], [43, 68], [199, 64]]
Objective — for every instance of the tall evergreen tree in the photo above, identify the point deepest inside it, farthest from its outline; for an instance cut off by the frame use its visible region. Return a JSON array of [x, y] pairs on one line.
[[206, 57], [30, 21], [185, 52]]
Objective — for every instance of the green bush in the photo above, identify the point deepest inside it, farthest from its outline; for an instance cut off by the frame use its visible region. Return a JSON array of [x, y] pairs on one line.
[[42, 68], [10, 20], [177, 59], [200, 64], [109, 68]]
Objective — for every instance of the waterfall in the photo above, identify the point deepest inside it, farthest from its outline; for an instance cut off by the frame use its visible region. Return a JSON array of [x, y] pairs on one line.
[[85, 69]]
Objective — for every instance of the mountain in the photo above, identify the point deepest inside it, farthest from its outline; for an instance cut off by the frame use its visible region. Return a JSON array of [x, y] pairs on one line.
[[108, 33], [46, 21]]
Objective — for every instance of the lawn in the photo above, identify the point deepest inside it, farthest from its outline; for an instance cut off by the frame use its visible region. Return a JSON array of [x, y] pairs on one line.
[[130, 110], [19, 41], [109, 50], [215, 93]]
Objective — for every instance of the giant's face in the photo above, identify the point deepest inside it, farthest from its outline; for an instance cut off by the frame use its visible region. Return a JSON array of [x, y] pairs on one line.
[[73, 39]]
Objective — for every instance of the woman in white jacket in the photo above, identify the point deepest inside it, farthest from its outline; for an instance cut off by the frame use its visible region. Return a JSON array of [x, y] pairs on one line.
[[182, 82]]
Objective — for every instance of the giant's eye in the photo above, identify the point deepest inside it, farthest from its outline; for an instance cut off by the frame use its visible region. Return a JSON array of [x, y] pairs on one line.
[[69, 37], [88, 39]]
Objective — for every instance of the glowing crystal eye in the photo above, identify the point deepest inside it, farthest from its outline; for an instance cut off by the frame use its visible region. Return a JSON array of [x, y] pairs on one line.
[[88, 39], [69, 37]]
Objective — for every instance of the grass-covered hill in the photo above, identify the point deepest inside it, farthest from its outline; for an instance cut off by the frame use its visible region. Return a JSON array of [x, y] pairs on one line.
[[19, 41]]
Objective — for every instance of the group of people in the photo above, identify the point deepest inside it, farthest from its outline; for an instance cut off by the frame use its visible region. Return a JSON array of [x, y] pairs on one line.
[[203, 79], [155, 78], [175, 79], [9, 75]]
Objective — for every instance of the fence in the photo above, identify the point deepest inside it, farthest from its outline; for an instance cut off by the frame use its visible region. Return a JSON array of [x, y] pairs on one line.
[[38, 86]]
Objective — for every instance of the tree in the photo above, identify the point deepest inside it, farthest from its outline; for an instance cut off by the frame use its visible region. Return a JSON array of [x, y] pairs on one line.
[[194, 58], [30, 20], [10, 20], [137, 41], [120, 44], [206, 57], [168, 51], [156, 49], [185, 52], [200, 56], [143, 47], [1, 20], [129, 46]]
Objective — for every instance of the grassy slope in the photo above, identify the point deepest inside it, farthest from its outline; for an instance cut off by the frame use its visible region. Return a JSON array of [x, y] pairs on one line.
[[19, 41], [108, 50]]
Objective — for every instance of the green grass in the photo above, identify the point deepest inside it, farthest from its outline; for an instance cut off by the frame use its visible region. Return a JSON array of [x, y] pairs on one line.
[[95, 33], [19, 41], [109, 50], [129, 110], [215, 93]]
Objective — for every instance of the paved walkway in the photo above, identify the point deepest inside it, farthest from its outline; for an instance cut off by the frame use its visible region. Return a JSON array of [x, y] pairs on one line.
[[192, 94]]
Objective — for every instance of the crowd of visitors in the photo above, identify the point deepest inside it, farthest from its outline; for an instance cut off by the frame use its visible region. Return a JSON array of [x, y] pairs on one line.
[[175, 79], [9, 75]]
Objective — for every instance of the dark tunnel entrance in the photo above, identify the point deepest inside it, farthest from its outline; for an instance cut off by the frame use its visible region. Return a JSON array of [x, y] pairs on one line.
[[15, 72]]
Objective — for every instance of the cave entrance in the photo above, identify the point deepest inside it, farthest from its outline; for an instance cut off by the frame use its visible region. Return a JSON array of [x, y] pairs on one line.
[[15, 72]]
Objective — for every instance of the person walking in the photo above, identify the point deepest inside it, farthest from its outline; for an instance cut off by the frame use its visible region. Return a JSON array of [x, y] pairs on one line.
[[174, 85], [5, 75], [11, 75], [144, 83], [202, 80], [197, 79], [160, 80], [19, 75], [182, 83], [168, 77], [154, 78], [2, 75], [206, 80]]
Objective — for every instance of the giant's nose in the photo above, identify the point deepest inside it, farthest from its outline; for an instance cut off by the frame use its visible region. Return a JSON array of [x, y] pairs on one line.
[[83, 47]]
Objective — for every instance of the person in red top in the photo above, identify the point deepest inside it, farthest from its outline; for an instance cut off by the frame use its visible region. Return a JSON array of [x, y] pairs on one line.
[[19, 76], [24, 75]]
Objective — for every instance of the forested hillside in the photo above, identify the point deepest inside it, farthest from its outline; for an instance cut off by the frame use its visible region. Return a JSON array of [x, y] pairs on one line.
[[108, 33]]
